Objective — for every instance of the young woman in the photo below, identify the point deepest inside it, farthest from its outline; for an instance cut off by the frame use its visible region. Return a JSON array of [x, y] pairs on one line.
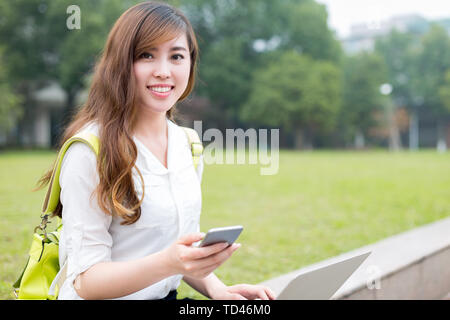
[[134, 239]]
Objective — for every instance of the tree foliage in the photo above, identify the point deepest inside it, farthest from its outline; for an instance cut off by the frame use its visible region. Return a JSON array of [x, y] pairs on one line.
[[295, 92], [444, 92], [399, 51], [236, 37], [363, 75], [432, 63], [10, 108]]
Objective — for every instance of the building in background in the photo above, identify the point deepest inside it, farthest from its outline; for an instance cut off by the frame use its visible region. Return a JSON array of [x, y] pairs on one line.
[[362, 36], [41, 125]]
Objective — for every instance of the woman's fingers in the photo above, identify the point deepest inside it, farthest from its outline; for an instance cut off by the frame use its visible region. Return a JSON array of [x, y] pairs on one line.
[[270, 293], [190, 238], [253, 291], [203, 252], [208, 264], [262, 294], [216, 258], [236, 296], [221, 256]]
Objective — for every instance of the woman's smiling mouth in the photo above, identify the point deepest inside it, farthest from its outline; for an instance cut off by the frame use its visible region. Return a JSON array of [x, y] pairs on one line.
[[161, 90]]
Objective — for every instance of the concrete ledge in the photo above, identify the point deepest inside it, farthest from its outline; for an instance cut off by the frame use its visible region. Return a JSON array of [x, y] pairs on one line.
[[411, 265]]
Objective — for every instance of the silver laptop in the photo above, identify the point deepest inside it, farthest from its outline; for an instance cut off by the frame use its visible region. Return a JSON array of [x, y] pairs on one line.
[[323, 282]]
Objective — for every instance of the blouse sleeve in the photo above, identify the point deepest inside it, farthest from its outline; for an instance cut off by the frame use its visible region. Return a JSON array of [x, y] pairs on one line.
[[86, 240]]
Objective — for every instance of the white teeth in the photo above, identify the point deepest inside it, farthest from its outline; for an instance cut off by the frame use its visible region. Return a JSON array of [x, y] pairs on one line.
[[161, 89]]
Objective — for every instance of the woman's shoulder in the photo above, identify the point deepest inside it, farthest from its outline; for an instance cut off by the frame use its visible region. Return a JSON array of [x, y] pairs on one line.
[[79, 156], [80, 152], [91, 127]]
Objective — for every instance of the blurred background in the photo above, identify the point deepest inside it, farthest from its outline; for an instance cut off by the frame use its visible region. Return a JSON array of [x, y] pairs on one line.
[[359, 89], [373, 80]]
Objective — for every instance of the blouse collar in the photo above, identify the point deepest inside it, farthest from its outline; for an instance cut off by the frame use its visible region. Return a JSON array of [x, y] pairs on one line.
[[176, 152]]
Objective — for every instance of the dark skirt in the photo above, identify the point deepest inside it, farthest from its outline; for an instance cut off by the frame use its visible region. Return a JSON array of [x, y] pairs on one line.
[[173, 296]]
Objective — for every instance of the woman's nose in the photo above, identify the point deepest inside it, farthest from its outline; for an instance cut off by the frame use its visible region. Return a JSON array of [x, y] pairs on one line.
[[162, 70]]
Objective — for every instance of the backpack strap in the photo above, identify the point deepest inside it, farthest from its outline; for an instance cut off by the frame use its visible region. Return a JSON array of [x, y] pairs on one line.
[[196, 145], [52, 197]]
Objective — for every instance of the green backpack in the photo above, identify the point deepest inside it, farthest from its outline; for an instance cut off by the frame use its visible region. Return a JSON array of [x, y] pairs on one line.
[[37, 279]]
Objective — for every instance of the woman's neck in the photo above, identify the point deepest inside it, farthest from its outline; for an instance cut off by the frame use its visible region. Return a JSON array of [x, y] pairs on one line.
[[153, 133], [153, 126]]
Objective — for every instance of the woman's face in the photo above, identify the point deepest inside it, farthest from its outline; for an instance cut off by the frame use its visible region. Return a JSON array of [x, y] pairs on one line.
[[162, 74]]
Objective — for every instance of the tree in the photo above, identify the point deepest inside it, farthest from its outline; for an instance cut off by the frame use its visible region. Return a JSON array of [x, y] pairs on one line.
[[79, 49], [444, 93], [398, 50], [236, 37], [10, 109], [40, 48], [296, 93], [362, 76], [306, 30], [26, 59], [433, 61]]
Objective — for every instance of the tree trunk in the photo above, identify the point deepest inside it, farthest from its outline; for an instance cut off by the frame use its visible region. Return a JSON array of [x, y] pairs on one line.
[[298, 138], [359, 140], [441, 145], [69, 107], [308, 139], [395, 143], [23, 137], [447, 136], [414, 130]]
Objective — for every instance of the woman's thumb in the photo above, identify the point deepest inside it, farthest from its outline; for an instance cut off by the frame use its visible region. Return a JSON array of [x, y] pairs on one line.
[[190, 238]]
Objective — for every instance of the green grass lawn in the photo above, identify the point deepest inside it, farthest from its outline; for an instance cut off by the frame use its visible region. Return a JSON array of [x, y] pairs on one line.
[[320, 204]]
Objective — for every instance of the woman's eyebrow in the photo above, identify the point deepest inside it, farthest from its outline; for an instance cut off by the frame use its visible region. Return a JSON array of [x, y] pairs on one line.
[[171, 49]]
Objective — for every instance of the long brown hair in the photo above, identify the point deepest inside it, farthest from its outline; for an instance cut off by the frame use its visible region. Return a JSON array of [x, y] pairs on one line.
[[112, 102]]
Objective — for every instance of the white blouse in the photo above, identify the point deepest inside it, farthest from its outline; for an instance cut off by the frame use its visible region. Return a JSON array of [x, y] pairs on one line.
[[171, 208]]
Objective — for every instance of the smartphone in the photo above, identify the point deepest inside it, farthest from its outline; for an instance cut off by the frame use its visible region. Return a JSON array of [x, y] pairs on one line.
[[226, 234]]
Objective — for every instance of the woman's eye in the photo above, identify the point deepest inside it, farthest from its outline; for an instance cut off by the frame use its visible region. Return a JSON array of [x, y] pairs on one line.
[[178, 57], [146, 55]]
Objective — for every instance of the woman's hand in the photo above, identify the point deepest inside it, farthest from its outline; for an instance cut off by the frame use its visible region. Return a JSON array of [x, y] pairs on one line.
[[196, 262], [244, 292]]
